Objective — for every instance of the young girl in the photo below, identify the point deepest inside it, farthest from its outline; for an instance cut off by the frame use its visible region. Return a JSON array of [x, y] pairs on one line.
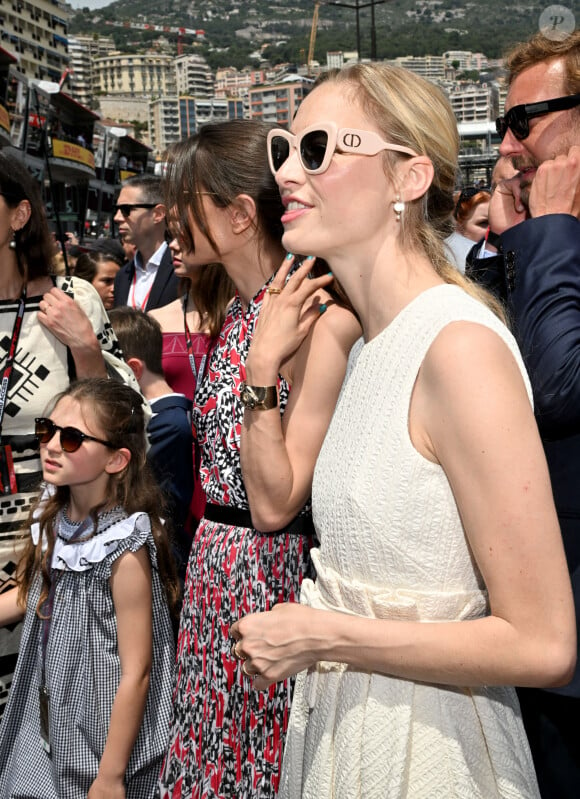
[[90, 701]]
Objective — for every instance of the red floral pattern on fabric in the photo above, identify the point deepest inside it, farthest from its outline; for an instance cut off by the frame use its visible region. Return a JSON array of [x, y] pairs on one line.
[[226, 738]]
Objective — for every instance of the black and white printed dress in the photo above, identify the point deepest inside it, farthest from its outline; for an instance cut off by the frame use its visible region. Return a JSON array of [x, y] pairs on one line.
[[227, 738], [83, 671]]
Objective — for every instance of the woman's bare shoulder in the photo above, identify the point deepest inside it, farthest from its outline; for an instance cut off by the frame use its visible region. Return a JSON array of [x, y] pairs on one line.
[[339, 322], [170, 317]]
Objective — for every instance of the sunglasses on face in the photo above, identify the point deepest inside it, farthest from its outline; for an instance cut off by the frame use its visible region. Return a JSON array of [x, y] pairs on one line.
[[70, 438], [317, 144], [126, 208], [518, 118]]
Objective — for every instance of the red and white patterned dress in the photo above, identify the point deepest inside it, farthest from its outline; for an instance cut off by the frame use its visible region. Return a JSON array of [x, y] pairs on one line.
[[226, 738]]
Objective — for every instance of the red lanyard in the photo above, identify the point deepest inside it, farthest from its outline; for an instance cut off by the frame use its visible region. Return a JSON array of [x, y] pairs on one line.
[[133, 288]]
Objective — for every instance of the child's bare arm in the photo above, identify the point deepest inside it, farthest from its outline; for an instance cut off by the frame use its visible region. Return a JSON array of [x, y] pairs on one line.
[[10, 610], [132, 597]]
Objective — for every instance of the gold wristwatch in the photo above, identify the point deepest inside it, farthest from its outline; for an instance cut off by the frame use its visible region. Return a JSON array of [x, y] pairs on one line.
[[260, 398]]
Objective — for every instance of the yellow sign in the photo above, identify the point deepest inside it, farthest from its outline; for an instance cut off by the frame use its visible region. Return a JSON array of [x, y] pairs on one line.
[[4, 119], [72, 152]]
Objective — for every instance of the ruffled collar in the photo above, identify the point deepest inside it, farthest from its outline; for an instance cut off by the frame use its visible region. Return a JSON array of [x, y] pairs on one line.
[[83, 555]]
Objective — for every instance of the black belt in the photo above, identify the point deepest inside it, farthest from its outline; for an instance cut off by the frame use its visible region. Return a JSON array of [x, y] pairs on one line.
[[241, 517]]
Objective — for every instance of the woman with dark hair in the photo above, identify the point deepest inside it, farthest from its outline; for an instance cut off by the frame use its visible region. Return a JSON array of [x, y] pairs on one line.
[[189, 326], [226, 738], [99, 269], [48, 338]]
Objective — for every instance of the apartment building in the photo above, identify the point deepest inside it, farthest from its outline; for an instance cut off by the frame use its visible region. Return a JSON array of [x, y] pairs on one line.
[[472, 102], [163, 123], [83, 50], [35, 32], [278, 102], [194, 77], [131, 75], [430, 67], [231, 82], [466, 60], [172, 119]]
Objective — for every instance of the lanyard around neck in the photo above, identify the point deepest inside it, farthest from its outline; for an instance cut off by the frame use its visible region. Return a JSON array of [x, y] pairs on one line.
[[134, 303], [197, 373], [11, 354]]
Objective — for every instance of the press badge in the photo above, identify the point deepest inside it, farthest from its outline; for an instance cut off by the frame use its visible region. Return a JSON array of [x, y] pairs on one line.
[[44, 697]]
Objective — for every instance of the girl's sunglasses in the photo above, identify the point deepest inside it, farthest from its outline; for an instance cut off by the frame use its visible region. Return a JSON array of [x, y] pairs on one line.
[[317, 144], [70, 438], [518, 118]]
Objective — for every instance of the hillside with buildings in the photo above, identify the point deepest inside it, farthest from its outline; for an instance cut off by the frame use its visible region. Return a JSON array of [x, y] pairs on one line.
[[98, 94], [238, 32]]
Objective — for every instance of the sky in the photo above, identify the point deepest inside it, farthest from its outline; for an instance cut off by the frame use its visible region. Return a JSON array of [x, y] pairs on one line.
[[90, 3]]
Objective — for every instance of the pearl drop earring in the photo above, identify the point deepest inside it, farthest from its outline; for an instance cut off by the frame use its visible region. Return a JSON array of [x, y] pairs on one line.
[[12, 243], [398, 208]]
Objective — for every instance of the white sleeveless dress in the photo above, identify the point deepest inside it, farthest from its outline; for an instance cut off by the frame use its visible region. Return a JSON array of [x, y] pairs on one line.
[[392, 547]]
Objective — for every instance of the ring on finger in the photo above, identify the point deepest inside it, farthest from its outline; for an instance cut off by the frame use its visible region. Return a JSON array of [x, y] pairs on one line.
[[247, 673], [273, 290], [236, 653]]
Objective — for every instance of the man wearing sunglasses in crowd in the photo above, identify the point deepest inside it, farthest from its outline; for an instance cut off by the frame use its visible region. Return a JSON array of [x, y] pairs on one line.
[[535, 227], [147, 281]]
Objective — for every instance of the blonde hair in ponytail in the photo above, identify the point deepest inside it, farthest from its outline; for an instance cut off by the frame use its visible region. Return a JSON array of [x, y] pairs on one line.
[[412, 112]]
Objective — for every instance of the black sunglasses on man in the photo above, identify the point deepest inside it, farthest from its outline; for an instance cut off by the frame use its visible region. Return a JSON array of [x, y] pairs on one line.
[[126, 208], [518, 118]]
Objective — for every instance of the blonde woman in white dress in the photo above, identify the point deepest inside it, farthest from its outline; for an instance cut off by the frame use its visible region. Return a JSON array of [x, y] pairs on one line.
[[441, 576]]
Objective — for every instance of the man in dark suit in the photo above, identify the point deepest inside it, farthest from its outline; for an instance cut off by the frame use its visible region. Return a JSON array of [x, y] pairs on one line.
[[535, 227], [148, 281]]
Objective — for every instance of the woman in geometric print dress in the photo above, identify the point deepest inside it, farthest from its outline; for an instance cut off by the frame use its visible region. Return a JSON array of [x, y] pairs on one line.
[[58, 336], [226, 738]]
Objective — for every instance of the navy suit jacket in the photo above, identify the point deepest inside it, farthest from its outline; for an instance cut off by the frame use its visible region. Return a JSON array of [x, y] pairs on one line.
[[537, 275], [171, 458], [163, 291]]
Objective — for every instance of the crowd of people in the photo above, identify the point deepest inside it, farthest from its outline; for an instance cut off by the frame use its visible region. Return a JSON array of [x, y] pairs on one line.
[[289, 501]]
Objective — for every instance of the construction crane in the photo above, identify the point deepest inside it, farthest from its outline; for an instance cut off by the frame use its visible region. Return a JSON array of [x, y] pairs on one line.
[[313, 31]]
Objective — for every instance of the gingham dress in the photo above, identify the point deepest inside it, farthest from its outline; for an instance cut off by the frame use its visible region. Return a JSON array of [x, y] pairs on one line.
[[83, 673], [227, 738]]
